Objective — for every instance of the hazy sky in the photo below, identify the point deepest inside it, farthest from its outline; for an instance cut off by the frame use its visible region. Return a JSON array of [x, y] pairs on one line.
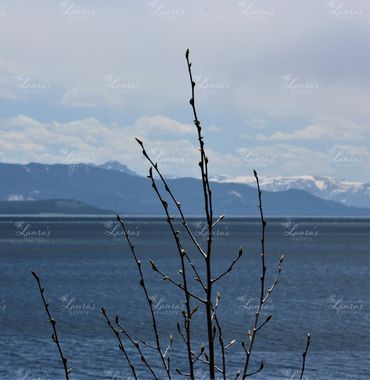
[[283, 86]]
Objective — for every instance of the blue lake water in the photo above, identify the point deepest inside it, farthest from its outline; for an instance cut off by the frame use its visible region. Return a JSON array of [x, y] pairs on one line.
[[84, 264]]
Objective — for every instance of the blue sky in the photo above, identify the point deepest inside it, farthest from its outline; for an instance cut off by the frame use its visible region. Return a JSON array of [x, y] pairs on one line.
[[283, 86]]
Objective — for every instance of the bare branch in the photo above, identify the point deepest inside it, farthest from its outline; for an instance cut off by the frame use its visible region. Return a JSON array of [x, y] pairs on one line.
[[207, 194], [120, 345], [148, 345], [206, 361], [230, 344], [148, 299], [263, 297], [218, 220], [168, 278], [180, 332], [184, 286], [178, 206], [182, 373], [255, 372], [176, 203], [305, 354], [137, 346], [222, 346], [169, 346], [199, 355], [53, 323], [230, 268], [266, 321]]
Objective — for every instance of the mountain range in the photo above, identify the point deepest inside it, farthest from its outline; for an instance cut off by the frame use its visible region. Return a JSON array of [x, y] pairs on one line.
[[116, 188], [115, 165], [350, 193]]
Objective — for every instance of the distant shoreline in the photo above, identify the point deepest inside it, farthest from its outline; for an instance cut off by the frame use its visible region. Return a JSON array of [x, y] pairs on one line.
[[162, 217]]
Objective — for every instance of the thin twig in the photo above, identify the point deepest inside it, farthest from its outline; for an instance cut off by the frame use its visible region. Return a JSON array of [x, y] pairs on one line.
[[180, 332], [137, 346], [206, 361], [120, 343], [182, 373], [197, 356], [262, 324], [276, 280], [305, 354], [168, 278], [178, 206], [172, 196], [255, 372], [148, 299], [167, 350], [218, 220], [148, 344], [230, 268], [220, 337], [263, 297], [207, 194], [181, 252], [53, 323]]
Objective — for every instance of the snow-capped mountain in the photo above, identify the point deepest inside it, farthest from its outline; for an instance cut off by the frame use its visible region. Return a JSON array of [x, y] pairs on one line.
[[115, 190], [347, 192], [117, 166]]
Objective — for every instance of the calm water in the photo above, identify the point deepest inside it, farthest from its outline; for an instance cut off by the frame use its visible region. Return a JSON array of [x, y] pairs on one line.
[[84, 264]]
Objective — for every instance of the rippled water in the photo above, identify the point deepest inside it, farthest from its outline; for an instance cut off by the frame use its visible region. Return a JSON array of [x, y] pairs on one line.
[[85, 264]]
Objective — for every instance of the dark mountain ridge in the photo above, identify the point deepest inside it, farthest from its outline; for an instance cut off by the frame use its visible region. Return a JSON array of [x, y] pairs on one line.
[[132, 194]]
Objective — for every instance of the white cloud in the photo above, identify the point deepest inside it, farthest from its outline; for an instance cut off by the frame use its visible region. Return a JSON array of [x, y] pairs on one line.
[[101, 61], [335, 129], [341, 161], [162, 125], [106, 43], [24, 139]]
